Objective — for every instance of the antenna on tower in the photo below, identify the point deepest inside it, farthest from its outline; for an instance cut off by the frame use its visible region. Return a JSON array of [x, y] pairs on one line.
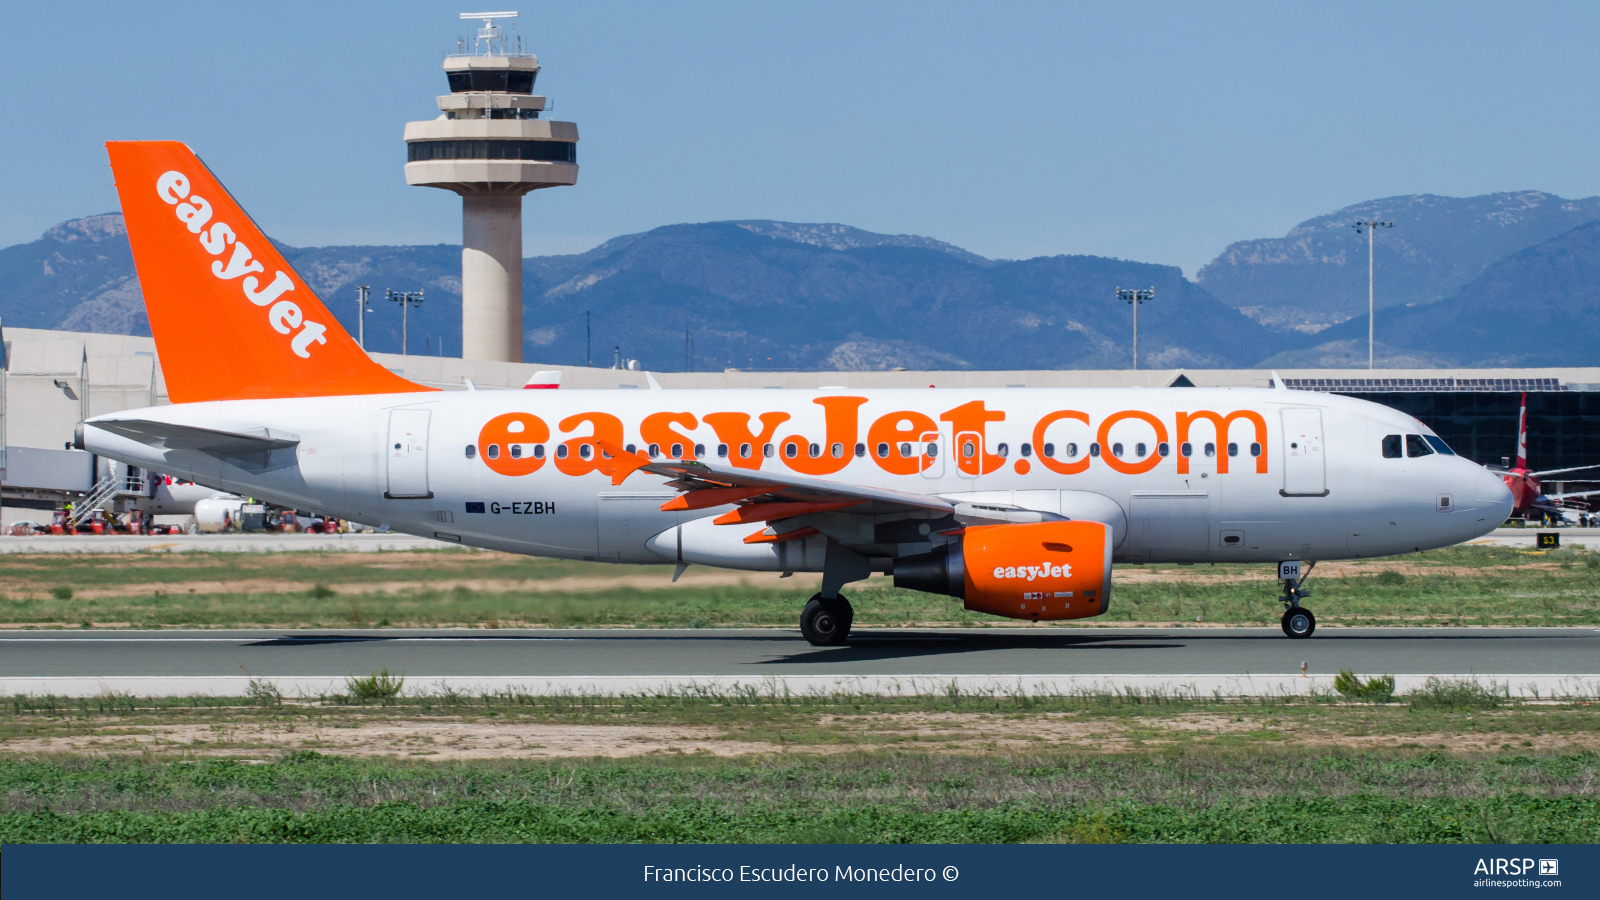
[[491, 39]]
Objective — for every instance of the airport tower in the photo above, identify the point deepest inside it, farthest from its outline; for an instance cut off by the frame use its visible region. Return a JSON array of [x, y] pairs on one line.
[[490, 145]]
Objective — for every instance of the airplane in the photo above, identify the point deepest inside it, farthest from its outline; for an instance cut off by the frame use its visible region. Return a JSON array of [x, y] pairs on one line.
[[1527, 493], [1017, 502]]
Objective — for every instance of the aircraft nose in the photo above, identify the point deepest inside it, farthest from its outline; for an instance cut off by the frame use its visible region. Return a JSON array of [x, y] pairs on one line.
[[1494, 498]]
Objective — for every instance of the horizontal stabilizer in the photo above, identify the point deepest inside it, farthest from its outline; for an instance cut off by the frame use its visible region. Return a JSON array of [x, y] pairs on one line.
[[188, 437]]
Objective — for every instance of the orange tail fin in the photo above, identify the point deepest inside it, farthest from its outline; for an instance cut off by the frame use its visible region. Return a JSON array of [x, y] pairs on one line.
[[231, 318]]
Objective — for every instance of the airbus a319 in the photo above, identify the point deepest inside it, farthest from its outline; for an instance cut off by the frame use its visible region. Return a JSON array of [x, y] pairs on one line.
[[1016, 502]]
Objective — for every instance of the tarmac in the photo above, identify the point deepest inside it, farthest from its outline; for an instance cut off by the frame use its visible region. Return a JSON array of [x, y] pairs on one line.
[[1207, 661]]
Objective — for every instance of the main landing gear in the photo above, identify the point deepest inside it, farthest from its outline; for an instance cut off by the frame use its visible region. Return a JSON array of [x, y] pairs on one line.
[[1298, 622], [826, 622]]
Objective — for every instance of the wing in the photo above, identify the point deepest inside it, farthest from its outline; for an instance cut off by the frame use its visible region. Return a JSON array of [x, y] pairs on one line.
[[799, 506], [1560, 471], [1575, 494], [167, 435]]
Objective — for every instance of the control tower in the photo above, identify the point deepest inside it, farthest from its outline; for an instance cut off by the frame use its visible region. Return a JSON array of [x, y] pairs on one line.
[[490, 146]]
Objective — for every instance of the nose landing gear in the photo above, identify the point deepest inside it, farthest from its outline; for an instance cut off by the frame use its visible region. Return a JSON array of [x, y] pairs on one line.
[[825, 621], [1298, 622]]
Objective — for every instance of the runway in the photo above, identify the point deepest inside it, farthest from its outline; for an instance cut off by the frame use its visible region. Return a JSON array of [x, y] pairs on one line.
[[1231, 661]]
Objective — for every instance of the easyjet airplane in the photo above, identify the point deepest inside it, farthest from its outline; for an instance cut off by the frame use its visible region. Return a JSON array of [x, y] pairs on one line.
[[1017, 501]]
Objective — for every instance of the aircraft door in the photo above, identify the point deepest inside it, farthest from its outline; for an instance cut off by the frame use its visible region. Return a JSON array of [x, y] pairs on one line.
[[407, 451], [1305, 471], [932, 460], [1169, 526]]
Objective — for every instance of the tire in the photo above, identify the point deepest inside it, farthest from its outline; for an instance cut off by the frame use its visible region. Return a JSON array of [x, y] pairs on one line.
[[1299, 623], [826, 623]]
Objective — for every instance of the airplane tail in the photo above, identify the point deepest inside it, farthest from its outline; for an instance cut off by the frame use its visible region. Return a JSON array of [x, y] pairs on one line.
[[231, 318], [1522, 434]]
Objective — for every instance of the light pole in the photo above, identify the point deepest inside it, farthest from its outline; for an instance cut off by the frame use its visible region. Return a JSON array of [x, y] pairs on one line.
[[1136, 299], [362, 290], [1371, 229], [406, 299]]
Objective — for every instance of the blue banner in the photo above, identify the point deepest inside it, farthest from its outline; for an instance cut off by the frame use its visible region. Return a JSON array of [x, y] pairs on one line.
[[391, 872]]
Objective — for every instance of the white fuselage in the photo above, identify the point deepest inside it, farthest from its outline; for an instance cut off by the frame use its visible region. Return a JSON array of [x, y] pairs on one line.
[[1325, 489]]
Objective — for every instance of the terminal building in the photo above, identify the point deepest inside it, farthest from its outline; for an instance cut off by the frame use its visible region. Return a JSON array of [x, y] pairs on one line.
[[51, 380]]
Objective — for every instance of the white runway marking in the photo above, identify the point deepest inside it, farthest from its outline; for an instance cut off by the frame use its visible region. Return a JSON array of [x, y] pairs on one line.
[[1531, 687]]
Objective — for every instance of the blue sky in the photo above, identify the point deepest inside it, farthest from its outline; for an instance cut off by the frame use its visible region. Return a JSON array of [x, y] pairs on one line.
[[1152, 131]]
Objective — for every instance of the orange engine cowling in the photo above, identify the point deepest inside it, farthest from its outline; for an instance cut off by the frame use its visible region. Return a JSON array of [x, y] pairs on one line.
[[1043, 570]]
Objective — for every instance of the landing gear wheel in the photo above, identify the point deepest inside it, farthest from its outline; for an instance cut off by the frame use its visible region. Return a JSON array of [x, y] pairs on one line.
[[1299, 623], [825, 622]]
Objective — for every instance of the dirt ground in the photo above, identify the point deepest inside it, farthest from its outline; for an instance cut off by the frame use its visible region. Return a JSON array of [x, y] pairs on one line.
[[468, 738]]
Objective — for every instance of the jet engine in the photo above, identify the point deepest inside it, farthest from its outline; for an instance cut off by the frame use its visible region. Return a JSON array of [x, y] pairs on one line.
[[1041, 570]]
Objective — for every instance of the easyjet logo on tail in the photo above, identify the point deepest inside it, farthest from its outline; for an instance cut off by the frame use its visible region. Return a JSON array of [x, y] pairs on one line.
[[284, 315]]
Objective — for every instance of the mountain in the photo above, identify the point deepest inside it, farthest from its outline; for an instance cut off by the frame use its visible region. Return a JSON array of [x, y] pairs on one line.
[[776, 295], [1317, 274], [1537, 307], [756, 294]]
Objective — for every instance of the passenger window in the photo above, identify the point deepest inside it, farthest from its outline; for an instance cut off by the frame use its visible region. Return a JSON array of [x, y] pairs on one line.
[[1416, 446], [584, 450], [1116, 450], [516, 451], [933, 451], [1163, 449], [1187, 449], [967, 449], [1391, 446], [677, 451], [905, 451], [1211, 449], [1255, 449], [1002, 451], [1027, 450], [1139, 450], [1050, 449], [838, 451], [493, 452], [654, 450], [538, 451], [861, 450], [632, 449], [1094, 449], [744, 451], [767, 450], [1233, 449], [561, 451], [699, 451], [883, 451], [471, 451], [722, 451], [815, 450]]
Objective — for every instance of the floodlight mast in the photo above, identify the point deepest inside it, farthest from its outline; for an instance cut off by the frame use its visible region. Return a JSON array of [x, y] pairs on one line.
[[1136, 298], [1371, 229]]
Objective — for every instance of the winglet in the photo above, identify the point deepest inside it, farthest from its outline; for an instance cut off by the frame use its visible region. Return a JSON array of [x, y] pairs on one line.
[[623, 463], [1277, 382]]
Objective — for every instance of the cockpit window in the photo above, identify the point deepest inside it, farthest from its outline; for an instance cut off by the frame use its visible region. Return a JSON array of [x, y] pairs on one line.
[[1438, 444], [1416, 446], [1391, 446]]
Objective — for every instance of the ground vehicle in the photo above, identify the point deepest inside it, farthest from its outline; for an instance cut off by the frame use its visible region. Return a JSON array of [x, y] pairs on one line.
[[1017, 502]]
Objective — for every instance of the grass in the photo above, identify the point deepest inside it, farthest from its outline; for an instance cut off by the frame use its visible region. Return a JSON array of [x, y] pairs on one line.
[[1457, 586], [835, 768]]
